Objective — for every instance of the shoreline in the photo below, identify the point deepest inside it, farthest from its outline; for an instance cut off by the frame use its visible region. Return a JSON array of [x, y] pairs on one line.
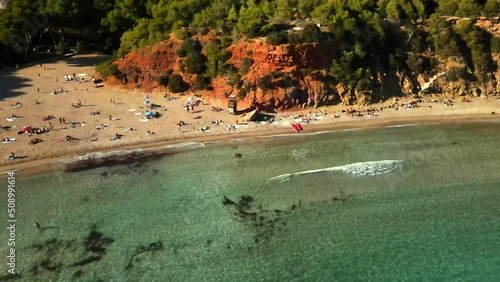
[[142, 152]]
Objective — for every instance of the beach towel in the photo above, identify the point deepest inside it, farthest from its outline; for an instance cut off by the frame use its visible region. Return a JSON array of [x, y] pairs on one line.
[[10, 140]]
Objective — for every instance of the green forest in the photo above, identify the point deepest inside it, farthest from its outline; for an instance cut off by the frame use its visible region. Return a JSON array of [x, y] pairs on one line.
[[365, 27]]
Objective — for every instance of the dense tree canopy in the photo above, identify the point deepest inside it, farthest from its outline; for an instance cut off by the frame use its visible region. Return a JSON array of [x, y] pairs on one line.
[[368, 30]]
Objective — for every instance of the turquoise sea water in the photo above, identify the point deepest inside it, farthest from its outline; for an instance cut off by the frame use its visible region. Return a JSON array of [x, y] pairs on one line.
[[416, 203]]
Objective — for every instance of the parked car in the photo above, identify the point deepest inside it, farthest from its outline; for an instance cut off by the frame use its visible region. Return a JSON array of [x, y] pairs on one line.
[[51, 50]]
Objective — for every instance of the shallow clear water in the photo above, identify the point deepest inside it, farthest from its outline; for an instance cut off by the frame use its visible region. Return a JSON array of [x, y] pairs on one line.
[[418, 203]]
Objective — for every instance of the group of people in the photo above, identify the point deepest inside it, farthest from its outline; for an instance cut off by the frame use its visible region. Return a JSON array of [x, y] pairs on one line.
[[78, 104]]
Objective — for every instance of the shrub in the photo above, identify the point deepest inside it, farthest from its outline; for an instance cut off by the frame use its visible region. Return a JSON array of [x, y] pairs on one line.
[[204, 30], [245, 65], [453, 74], [176, 83], [276, 74], [495, 44], [107, 69], [163, 79], [311, 33], [195, 63], [275, 38], [295, 38], [242, 93], [414, 63], [234, 79], [201, 83], [189, 46], [181, 34], [265, 83], [287, 81], [181, 52], [456, 73]]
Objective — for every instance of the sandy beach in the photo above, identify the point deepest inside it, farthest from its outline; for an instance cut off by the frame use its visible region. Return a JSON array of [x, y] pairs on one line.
[[34, 86]]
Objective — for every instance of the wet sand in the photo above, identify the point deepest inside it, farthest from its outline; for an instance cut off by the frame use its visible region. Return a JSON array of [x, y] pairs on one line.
[[22, 86]]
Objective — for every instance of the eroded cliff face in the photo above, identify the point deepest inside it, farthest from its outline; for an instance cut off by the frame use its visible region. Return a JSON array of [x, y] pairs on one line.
[[299, 63], [299, 75]]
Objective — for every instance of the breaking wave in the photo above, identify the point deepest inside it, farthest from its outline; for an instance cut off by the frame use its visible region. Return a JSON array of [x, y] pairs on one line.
[[362, 168], [403, 125]]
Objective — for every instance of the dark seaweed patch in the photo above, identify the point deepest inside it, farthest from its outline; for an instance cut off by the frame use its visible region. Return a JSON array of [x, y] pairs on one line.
[[50, 265], [78, 273], [86, 261], [10, 277], [96, 244], [154, 246], [263, 221]]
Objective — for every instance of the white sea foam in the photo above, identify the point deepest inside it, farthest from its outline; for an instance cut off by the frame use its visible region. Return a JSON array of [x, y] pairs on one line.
[[372, 168], [352, 129], [295, 134], [402, 125], [186, 144], [278, 135]]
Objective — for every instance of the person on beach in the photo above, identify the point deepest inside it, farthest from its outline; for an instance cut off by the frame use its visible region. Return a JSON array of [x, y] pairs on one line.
[[38, 90], [56, 80], [64, 120], [60, 120], [110, 117], [50, 125]]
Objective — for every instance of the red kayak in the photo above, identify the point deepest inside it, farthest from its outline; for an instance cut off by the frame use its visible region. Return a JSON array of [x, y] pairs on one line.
[[295, 127], [299, 126]]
